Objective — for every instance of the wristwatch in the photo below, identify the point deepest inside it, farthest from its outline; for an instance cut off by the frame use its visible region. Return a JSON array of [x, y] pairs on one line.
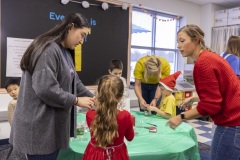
[[156, 99], [182, 115]]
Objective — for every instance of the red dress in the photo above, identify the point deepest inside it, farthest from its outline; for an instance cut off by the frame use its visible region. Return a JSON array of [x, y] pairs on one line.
[[116, 151]]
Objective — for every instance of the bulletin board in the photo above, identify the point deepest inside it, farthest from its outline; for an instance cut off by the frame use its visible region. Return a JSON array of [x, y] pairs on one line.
[[108, 40]]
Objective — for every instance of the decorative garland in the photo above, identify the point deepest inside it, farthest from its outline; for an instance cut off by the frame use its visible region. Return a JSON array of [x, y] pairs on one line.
[[86, 4], [124, 6], [163, 20]]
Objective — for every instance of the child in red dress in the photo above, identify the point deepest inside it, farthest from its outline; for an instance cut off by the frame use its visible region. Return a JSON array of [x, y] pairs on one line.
[[108, 124]]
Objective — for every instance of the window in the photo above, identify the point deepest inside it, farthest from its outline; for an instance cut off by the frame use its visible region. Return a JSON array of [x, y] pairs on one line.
[[153, 33]]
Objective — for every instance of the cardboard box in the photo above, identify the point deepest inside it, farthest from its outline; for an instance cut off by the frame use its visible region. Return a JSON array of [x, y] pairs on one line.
[[221, 14], [221, 22], [234, 12], [233, 20]]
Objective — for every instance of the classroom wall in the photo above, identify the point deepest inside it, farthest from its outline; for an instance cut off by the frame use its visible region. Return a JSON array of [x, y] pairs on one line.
[[194, 14], [191, 13], [4, 125], [207, 20]]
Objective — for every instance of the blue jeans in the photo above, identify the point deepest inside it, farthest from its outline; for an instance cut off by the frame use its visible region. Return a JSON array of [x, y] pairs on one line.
[[148, 93], [226, 143], [51, 156]]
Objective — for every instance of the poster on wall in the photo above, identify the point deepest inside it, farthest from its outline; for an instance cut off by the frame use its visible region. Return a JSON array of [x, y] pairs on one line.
[[15, 49]]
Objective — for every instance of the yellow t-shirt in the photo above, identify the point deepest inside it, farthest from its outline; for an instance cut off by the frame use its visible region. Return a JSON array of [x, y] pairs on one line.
[[139, 70], [168, 105]]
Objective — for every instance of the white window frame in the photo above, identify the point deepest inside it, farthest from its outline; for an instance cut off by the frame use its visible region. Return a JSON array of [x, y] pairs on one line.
[[153, 48]]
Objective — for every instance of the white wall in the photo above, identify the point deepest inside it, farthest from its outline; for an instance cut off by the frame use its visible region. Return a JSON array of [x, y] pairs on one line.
[[207, 20], [4, 100], [4, 125], [4, 130], [191, 12]]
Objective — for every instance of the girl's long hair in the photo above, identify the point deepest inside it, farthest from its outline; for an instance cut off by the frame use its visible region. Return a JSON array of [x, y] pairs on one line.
[[104, 127], [233, 45], [57, 34]]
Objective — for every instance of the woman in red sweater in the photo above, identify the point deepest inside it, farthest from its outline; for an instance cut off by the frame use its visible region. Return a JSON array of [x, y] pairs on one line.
[[108, 124], [218, 89]]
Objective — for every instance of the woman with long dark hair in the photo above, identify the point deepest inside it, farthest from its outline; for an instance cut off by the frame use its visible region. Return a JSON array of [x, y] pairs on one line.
[[50, 88]]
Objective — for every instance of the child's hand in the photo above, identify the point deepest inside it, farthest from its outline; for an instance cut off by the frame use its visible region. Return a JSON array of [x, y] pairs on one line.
[[186, 103], [151, 108], [153, 103]]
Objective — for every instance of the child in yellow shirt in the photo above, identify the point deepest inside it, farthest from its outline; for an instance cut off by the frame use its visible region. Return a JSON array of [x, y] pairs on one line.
[[167, 107]]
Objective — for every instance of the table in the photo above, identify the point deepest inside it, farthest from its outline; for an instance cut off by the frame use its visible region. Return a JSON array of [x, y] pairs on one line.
[[178, 144]]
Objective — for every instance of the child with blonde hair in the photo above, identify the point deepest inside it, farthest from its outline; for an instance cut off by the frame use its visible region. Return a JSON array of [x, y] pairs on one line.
[[167, 107], [147, 72], [108, 125]]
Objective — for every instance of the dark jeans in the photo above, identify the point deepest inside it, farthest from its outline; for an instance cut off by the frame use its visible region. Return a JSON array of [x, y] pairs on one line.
[[51, 156], [226, 143], [148, 93]]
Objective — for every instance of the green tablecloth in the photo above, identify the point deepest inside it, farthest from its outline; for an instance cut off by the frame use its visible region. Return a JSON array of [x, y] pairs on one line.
[[169, 144]]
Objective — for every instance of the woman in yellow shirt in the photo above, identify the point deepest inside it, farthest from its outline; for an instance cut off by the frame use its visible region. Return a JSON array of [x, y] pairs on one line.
[[148, 71]]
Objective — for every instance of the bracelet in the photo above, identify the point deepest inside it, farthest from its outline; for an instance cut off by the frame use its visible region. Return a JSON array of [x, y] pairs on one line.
[[156, 99], [76, 101]]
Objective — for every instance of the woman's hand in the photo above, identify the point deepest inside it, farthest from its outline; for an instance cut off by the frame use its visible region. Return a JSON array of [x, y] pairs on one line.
[[142, 104], [85, 102]]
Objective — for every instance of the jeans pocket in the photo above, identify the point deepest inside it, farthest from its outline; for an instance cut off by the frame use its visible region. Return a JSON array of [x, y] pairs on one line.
[[237, 137]]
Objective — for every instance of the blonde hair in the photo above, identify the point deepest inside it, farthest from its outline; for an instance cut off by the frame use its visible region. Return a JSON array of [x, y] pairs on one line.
[[233, 45], [104, 127], [194, 32], [152, 65]]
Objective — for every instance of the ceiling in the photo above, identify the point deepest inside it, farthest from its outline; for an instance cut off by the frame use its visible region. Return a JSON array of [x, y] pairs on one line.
[[223, 3]]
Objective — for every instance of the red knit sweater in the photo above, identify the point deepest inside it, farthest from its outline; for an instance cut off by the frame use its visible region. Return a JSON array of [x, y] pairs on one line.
[[218, 88]]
